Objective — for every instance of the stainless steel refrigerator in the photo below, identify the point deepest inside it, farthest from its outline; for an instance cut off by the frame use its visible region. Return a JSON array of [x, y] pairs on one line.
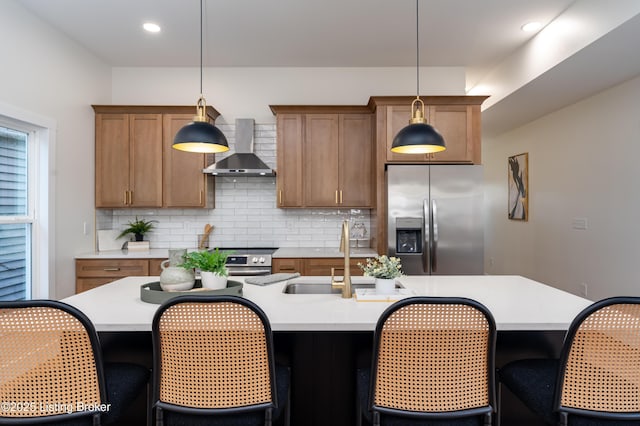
[[435, 221]]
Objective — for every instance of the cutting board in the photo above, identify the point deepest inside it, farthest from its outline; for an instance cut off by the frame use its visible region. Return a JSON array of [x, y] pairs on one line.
[[108, 240]]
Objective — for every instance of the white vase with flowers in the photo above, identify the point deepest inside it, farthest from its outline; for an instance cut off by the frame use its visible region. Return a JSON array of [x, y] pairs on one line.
[[385, 270]]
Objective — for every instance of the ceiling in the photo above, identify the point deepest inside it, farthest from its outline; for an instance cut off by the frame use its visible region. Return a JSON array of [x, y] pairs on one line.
[[477, 35]]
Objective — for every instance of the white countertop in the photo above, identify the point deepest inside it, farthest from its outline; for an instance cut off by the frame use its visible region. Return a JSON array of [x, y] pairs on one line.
[[126, 254], [517, 303], [287, 252]]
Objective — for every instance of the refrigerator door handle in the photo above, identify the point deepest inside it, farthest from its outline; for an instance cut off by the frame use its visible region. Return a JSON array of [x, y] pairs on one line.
[[434, 245], [426, 246]]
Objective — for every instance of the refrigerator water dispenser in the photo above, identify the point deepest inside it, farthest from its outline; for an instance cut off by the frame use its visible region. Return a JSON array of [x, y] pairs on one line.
[[409, 235]]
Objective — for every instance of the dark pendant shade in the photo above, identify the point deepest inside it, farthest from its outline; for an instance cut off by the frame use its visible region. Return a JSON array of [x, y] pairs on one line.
[[200, 136], [418, 138]]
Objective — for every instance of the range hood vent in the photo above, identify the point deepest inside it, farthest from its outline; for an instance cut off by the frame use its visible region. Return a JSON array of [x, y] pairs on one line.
[[243, 162]]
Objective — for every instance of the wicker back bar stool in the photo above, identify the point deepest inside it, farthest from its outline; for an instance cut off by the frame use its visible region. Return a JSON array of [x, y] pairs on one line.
[[214, 363], [596, 381], [433, 364], [51, 369]]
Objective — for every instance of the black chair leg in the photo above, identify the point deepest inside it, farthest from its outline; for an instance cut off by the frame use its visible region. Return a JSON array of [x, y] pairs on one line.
[[499, 404], [159, 417], [488, 419], [563, 419], [376, 418], [287, 409], [268, 417]]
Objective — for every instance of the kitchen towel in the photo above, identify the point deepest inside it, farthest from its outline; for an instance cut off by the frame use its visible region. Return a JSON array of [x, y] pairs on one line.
[[270, 279]]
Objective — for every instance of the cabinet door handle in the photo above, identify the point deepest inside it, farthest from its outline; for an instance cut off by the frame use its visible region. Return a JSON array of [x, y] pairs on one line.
[[130, 197], [341, 196], [111, 269], [124, 200], [280, 196], [337, 196], [200, 197]]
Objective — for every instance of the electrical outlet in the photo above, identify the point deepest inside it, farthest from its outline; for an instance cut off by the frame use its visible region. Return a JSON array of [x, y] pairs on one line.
[[84, 228], [579, 223], [583, 289]]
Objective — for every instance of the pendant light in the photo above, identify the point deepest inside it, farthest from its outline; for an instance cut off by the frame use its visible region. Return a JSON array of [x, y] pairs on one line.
[[200, 135], [418, 137]]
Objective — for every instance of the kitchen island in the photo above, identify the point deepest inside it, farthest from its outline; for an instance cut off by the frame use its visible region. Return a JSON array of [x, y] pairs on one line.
[[324, 337], [517, 304]]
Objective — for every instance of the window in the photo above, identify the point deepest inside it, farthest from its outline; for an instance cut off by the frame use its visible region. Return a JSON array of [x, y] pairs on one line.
[[17, 191]]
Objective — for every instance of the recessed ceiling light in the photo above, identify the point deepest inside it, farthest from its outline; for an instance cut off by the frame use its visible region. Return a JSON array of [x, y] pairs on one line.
[[531, 26], [151, 27]]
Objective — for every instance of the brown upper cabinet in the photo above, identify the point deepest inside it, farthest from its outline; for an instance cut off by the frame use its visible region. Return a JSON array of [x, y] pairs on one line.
[[457, 118], [325, 156], [128, 160], [289, 136], [184, 184], [135, 164]]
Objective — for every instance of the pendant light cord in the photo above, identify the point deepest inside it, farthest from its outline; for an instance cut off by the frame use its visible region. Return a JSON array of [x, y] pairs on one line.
[[417, 53], [201, 20]]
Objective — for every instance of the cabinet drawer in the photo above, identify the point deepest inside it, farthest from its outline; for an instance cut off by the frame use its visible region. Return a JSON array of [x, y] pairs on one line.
[[287, 265], [112, 268], [322, 266]]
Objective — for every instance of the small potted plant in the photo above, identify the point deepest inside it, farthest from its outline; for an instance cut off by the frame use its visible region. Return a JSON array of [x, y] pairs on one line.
[[212, 266], [138, 228], [385, 270]]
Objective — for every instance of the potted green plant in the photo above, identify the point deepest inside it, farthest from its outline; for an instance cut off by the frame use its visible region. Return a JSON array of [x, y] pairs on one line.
[[385, 270], [212, 266], [138, 228]]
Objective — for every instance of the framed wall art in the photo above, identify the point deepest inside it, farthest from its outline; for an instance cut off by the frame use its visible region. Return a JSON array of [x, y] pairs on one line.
[[519, 187]]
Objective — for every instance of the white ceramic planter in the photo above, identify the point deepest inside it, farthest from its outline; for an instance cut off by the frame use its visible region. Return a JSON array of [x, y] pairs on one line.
[[212, 280], [175, 278], [385, 285]]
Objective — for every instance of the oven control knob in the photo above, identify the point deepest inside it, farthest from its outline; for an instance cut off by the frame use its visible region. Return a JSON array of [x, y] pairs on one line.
[[254, 260], [262, 260]]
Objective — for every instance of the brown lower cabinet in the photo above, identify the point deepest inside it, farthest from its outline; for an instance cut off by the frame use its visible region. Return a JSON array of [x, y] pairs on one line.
[[92, 273], [315, 265]]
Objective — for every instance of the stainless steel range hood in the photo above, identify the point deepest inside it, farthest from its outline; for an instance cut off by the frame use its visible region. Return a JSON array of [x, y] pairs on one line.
[[243, 162]]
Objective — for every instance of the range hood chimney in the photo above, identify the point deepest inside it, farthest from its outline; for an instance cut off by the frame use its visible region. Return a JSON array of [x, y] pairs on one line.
[[243, 162]]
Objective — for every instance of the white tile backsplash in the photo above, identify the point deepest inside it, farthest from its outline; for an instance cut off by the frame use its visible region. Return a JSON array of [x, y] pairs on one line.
[[245, 215]]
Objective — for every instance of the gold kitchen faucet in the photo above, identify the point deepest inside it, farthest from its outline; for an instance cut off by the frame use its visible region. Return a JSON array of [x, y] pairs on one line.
[[345, 284]]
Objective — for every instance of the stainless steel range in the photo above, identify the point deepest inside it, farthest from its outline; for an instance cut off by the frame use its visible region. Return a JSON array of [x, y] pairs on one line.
[[249, 261]]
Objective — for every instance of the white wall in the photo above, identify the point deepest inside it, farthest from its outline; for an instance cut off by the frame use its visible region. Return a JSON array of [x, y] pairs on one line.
[[583, 163], [248, 92], [45, 73]]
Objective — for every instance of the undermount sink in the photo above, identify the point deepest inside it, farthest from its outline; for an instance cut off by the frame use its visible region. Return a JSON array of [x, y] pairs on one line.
[[322, 285]]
